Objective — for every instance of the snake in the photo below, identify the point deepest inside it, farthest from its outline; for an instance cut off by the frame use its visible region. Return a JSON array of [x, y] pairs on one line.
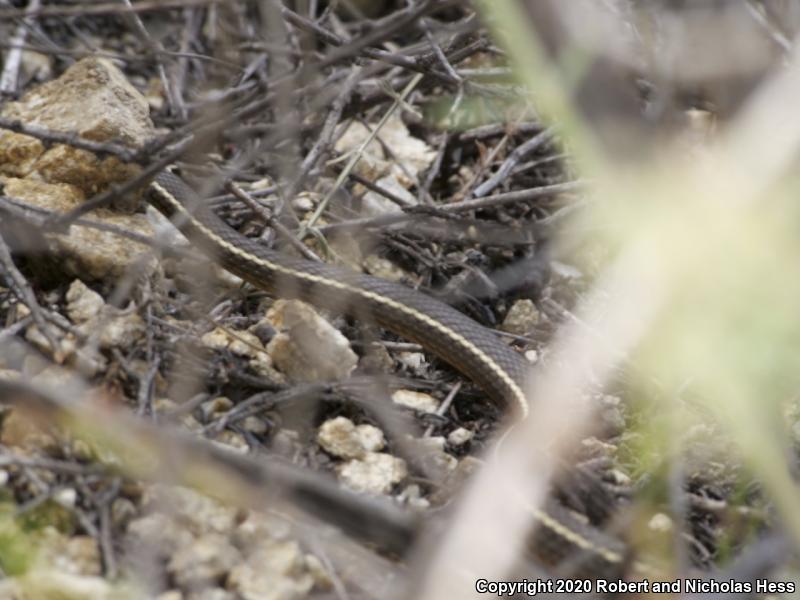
[[475, 351]]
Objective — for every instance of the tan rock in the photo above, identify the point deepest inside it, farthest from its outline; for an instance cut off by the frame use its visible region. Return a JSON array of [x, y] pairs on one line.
[[86, 253], [384, 268], [205, 561], [77, 555], [18, 153], [83, 303], [275, 571], [522, 317], [91, 99], [308, 348], [341, 437], [416, 400]]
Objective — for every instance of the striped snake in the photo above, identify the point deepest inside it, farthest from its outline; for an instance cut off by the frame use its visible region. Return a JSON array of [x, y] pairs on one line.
[[475, 351]]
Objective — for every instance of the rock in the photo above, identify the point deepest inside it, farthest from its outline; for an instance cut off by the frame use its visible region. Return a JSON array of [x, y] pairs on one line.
[[341, 437], [47, 584], [661, 523], [262, 366], [254, 425], [86, 253], [532, 356], [123, 511], [215, 407], [211, 594], [113, 327], [246, 344], [121, 331], [35, 336], [242, 343], [430, 451], [232, 440], [383, 268], [459, 436], [305, 202], [93, 100], [321, 575], [307, 347], [275, 571], [10, 375], [76, 555], [591, 447], [158, 533], [611, 415], [206, 561], [376, 359], [412, 360], [216, 339], [411, 496], [375, 204], [83, 304], [619, 478], [416, 400], [199, 513], [66, 497], [373, 164], [522, 318], [409, 155], [24, 434], [376, 473]]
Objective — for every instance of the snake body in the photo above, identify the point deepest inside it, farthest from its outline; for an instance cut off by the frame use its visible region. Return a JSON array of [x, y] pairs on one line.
[[472, 349]]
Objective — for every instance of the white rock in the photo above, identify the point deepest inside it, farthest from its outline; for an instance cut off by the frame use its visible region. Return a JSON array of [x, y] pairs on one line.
[[660, 522], [412, 360], [376, 473], [459, 436], [412, 496], [416, 400], [305, 202], [373, 163], [375, 204], [66, 497], [410, 155]]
